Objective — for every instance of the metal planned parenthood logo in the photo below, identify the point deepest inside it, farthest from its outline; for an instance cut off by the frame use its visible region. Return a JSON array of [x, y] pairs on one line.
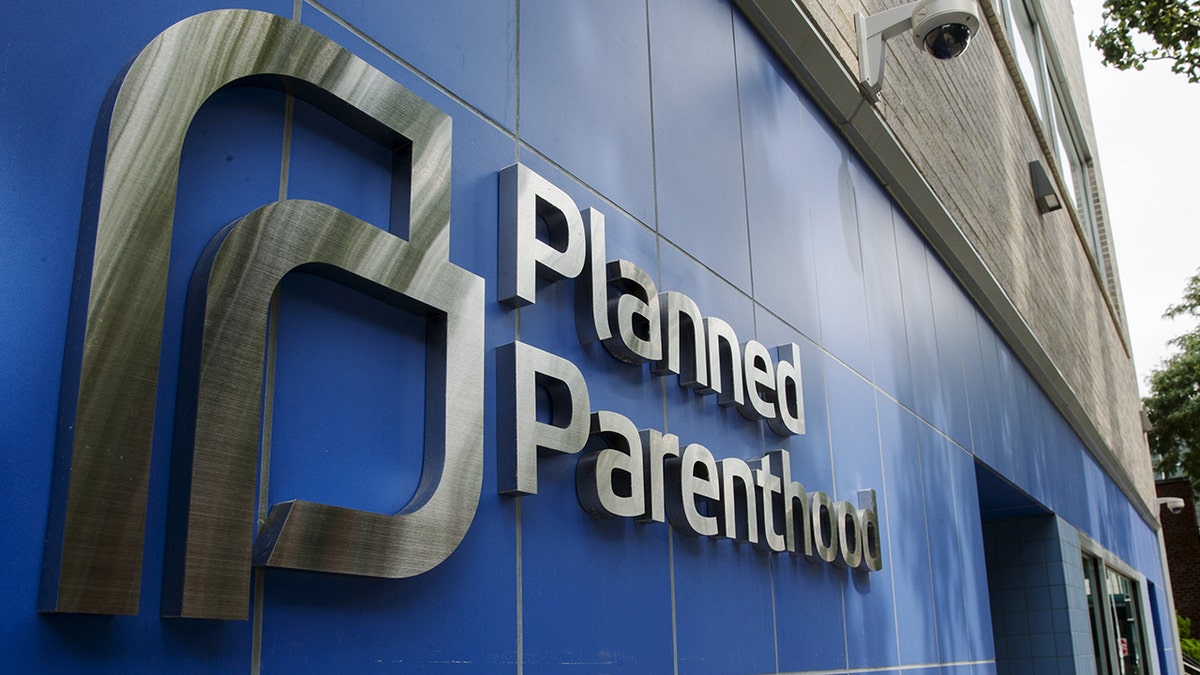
[[98, 511], [95, 537]]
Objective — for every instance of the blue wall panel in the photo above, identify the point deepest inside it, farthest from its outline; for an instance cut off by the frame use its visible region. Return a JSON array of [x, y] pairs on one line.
[[621, 616], [808, 639], [978, 627], [719, 584], [335, 164], [885, 301], [988, 434], [928, 398], [774, 115], [948, 303], [585, 95], [341, 351], [938, 468], [907, 552], [854, 432], [699, 183], [976, 374], [711, 573], [840, 287], [465, 46]]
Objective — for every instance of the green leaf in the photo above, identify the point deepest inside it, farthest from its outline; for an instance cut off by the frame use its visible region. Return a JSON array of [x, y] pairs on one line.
[[1172, 25], [1174, 401]]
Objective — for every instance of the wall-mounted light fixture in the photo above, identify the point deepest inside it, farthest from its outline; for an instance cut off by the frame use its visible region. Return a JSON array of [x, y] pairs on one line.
[[941, 27], [1043, 189]]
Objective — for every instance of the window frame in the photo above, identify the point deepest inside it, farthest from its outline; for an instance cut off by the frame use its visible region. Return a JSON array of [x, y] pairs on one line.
[[1098, 564], [1058, 119]]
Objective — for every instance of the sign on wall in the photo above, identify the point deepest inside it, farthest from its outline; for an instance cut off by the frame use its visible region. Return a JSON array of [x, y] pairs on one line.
[[95, 536]]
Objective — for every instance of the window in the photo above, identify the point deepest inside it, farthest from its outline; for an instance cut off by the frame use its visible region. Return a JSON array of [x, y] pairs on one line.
[[1052, 108], [1075, 176], [1127, 620], [1026, 39], [1118, 638]]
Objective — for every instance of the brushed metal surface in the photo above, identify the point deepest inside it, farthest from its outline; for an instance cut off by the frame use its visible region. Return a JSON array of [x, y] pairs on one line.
[[521, 437], [239, 274], [633, 316], [824, 526], [685, 484], [591, 288], [770, 490], [609, 478], [760, 382], [797, 525], [525, 199], [688, 359], [849, 550], [724, 356], [658, 447], [872, 546], [97, 519], [789, 392], [737, 489]]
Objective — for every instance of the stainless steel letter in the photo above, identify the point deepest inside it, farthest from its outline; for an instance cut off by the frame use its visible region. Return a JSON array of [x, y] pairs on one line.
[[524, 198], [522, 369], [685, 483], [633, 317], [824, 526], [676, 309], [591, 288], [724, 356], [613, 468], [240, 271], [849, 534], [657, 447], [788, 419], [868, 517], [97, 518], [770, 506], [734, 471], [760, 382], [797, 523]]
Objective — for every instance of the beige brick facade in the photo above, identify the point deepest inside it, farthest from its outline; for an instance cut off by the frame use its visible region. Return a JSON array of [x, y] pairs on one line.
[[975, 159]]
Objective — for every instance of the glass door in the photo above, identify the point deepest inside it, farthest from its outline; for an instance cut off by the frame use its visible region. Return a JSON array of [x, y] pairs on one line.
[[1092, 584], [1127, 623], [1114, 607]]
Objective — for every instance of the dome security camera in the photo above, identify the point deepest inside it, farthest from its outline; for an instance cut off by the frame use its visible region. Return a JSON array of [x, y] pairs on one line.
[[944, 27], [941, 27]]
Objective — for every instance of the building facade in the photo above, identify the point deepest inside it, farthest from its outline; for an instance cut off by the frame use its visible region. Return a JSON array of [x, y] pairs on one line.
[[542, 336], [1181, 539]]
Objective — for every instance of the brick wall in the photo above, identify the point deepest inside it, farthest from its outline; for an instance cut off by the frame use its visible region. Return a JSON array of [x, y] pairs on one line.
[[1181, 534], [975, 155]]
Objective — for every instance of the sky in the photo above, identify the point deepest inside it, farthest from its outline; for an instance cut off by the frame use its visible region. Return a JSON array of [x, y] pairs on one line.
[[1148, 144]]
